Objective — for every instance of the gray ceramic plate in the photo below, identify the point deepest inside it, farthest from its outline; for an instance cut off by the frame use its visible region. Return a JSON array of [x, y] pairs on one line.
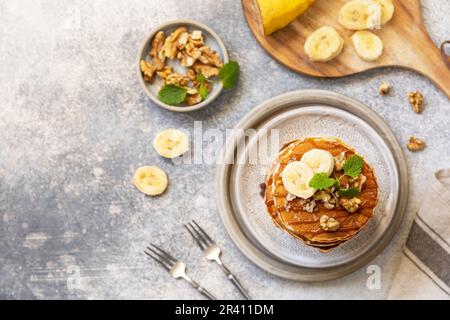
[[297, 115], [211, 39]]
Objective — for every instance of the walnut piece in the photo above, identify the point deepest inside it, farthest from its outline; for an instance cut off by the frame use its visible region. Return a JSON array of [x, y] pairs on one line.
[[328, 224], [210, 57], [310, 206], [416, 101], [193, 99], [159, 59], [170, 47], [164, 73], [351, 205], [415, 144], [207, 70], [359, 182], [176, 79], [339, 161], [148, 70], [385, 88]]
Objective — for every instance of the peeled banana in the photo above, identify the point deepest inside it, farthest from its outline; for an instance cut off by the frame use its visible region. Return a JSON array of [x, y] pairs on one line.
[[150, 180], [171, 143], [276, 14], [368, 45], [324, 44]]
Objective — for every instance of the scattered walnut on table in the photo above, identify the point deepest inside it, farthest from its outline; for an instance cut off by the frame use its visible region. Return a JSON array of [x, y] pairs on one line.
[[415, 144], [416, 101], [385, 88], [350, 205], [328, 224], [156, 52]]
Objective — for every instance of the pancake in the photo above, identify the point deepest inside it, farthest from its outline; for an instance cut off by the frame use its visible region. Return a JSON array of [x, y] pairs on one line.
[[303, 225]]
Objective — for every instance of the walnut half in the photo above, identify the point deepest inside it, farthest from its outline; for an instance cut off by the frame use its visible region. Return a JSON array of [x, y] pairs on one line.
[[416, 101], [328, 224], [351, 205], [415, 144]]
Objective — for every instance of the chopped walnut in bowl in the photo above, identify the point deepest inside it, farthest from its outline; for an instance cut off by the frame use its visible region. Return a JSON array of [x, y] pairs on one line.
[[184, 54]]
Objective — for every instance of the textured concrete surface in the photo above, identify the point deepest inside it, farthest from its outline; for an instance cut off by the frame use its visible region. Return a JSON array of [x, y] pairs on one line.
[[74, 125]]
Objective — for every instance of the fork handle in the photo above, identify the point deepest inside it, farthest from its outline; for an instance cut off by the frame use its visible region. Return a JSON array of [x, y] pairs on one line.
[[200, 289], [235, 281]]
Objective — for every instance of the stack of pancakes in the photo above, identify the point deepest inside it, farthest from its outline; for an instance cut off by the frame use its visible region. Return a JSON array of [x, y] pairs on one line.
[[305, 225]]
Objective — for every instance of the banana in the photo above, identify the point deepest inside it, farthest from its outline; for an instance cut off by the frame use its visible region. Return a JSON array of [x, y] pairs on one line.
[[319, 161], [324, 44], [374, 12], [296, 176], [368, 45], [354, 14], [150, 180], [171, 143], [387, 10]]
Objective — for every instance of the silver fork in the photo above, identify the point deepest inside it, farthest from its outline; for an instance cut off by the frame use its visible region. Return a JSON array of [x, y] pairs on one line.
[[212, 252], [176, 268]]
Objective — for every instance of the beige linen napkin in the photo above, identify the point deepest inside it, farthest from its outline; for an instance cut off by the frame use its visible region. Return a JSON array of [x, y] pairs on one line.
[[424, 270]]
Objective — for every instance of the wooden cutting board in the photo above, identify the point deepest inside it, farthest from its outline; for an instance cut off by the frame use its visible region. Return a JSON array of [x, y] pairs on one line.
[[406, 43]]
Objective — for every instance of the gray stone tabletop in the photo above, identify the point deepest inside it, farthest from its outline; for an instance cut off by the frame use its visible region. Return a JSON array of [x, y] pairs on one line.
[[75, 124]]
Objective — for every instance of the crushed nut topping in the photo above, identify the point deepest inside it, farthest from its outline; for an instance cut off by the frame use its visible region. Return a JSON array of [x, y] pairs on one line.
[[328, 224], [310, 206], [415, 144], [385, 88], [359, 182], [339, 161], [350, 205], [416, 101]]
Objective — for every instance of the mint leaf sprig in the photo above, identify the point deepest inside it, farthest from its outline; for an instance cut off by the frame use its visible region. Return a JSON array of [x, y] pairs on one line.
[[172, 95], [321, 181], [352, 168], [229, 74]]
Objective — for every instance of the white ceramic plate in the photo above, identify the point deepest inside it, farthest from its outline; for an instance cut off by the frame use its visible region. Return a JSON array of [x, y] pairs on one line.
[[310, 114]]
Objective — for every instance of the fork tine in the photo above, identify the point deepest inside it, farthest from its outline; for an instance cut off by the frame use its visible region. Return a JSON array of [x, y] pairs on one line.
[[163, 254], [199, 235], [169, 262], [204, 233], [194, 235], [161, 262]]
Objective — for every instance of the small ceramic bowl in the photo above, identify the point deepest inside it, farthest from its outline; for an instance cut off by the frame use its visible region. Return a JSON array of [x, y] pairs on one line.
[[211, 39]]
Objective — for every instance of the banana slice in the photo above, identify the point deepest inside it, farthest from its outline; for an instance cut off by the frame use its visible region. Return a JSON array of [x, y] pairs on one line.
[[324, 44], [354, 14], [374, 12], [296, 176], [368, 45], [319, 161], [171, 143], [150, 180], [387, 10]]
